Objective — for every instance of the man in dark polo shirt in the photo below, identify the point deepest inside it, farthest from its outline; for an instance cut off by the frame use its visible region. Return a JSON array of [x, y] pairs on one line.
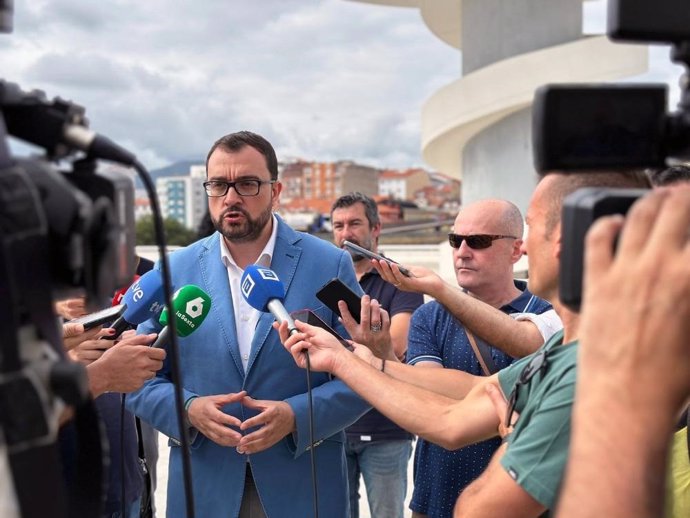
[[438, 340], [376, 448]]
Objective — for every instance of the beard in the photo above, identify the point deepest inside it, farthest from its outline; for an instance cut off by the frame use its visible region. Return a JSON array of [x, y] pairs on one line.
[[245, 231]]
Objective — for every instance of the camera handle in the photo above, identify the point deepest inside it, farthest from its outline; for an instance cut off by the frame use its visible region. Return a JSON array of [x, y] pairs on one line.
[[679, 121], [5, 157], [680, 53]]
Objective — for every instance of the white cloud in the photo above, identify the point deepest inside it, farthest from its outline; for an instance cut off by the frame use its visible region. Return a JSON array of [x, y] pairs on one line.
[[325, 79]]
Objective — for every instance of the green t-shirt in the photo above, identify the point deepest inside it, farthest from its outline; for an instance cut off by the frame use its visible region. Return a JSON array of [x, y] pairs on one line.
[[538, 447]]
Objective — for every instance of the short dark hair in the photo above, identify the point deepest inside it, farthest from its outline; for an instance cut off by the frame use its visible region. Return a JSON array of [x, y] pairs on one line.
[[236, 141], [670, 175], [571, 182], [370, 208]]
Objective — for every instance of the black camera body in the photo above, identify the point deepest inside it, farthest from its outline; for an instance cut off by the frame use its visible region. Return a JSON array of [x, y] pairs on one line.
[[580, 210], [61, 234], [596, 127], [593, 127], [87, 217]]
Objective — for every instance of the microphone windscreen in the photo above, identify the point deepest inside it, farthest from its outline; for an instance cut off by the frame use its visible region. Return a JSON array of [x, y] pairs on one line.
[[260, 285], [144, 298], [191, 305]]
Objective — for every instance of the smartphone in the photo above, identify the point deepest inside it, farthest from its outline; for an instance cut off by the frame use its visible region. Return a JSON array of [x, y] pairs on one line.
[[371, 255], [335, 290], [99, 317], [311, 318]]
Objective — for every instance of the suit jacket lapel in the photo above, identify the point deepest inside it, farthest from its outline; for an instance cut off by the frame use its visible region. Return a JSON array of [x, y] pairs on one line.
[[216, 284], [284, 263]]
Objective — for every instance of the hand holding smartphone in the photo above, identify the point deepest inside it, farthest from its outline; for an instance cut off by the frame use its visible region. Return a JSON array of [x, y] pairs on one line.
[[99, 317], [371, 255], [335, 290]]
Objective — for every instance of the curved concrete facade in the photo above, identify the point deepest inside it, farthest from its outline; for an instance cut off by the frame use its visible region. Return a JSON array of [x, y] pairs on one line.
[[465, 108], [478, 128]]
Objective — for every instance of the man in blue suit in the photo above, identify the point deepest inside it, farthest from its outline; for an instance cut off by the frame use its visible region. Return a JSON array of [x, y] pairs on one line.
[[245, 398]]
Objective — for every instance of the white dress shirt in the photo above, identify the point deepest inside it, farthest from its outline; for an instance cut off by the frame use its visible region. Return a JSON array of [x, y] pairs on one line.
[[246, 317]]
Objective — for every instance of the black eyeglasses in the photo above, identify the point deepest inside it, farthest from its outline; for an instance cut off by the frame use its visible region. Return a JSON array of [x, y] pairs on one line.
[[242, 187], [535, 365], [475, 241]]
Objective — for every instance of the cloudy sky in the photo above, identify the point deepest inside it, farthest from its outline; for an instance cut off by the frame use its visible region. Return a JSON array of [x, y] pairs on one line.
[[321, 79]]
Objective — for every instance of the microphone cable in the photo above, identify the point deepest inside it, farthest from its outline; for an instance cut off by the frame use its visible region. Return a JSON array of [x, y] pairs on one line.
[[100, 146], [173, 341], [312, 456], [310, 410]]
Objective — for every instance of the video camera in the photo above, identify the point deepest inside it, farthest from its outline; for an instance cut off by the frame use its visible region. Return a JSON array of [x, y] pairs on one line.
[[85, 217], [60, 233], [594, 127]]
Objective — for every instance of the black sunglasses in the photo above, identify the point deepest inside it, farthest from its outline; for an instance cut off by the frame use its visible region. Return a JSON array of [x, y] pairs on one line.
[[535, 365], [475, 241]]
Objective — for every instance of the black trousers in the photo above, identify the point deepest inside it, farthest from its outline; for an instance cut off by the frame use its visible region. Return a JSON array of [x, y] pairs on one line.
[[251, 505]]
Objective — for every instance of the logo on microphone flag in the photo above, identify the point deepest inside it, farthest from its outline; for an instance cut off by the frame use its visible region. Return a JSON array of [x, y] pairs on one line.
[[195, 307]]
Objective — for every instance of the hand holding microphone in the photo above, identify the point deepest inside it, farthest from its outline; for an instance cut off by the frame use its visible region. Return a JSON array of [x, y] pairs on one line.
[[141, 301], [324, 349], [125, 366], [263, 290]]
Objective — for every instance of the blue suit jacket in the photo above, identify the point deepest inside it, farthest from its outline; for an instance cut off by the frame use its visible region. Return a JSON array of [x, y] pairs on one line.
[[211, 364]]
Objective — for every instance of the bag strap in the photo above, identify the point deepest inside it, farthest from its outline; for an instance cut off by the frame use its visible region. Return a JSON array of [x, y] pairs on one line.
[[481, 349], [483, 354]]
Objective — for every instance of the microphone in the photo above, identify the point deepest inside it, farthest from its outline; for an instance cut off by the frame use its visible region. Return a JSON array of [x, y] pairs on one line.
[[263, 290], [142, 300], [117, 298], [190, 305]]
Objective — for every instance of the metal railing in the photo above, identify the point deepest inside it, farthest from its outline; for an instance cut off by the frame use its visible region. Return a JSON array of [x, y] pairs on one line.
[[411, 226]]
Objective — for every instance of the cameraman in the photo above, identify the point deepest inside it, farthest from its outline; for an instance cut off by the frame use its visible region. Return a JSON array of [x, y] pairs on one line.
[[626, 411]]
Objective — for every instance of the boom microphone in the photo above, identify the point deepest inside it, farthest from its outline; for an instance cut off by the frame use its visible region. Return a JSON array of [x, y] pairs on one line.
[[191, 304], [263, 290], [143, 300]]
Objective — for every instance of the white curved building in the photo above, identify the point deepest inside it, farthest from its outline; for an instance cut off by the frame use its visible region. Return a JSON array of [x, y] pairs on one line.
[[477, 128]]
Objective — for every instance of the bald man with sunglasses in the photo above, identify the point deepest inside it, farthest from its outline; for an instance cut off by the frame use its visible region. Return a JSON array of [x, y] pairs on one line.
[[515, 334], [486, 243]]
